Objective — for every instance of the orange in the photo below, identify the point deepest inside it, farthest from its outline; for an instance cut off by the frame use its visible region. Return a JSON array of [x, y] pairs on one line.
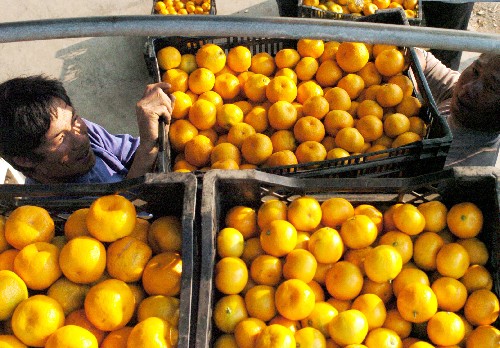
[[36, 318], [477, 250], [465, 220], [394, 321], [481, 307], [370, 75], [344, 280], [335, 120], [281, 88], [13, 291], [75, 225], [294, 299], [168, 57], [28, 224], [282, 115], [316, 106], [352, 56], [383, 263], [307, 89], [165, 234], [228, 164], [256, 148], [212, 57], [370, 107], [71, 336], [452, 260], [300, 264], [239, 58], [306, 68], [401, 241], [348, 327], [225, 341], [188, 63], [153, 332], [445, 329], [326, 245], [358, 232], [180, 132], [263, 63], [389, 94], [417, 303], [126, 259], [182, 105], [370, 93], [409, 219], [409, 106], [350, 139], [405, 139], [255, 87], [111, 217], [225, 151], [483, 336], [238, 133], [278, 238], [329, 51], [383, 337], [247, 331], [244, 219], [260, 302], [310, 151], [11, 341], [79, 318], [230, 242], [286, 58], [70, 295], [275, 336], [283, 140], [370, 127], [477, 277], [320, 317], [270, 210], [266, 270], [425, 249], [310, 337], [244, 105], [304, 213], [231, 275], [390, 62], [335, 211], [83, 260], [404, 82], [377, 48], [201, 80], [451, 294], [338, 99], [310, 48], [329, 143], [372, 307], [162, 274], [227, 86], [38, 265], [212, 97], [288, 73], [353, 84], [357, 257], [434, 213], [198, 150], [417, 125], [177, 78], [407, 276], [303, 240], [228, 312], [328, 73], [257, 118]]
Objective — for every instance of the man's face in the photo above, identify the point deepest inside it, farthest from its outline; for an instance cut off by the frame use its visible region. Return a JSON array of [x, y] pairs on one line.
[[66, 148], [477, 92]]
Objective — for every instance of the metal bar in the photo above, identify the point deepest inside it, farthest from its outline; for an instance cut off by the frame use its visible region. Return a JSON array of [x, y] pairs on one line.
[[275, 27]]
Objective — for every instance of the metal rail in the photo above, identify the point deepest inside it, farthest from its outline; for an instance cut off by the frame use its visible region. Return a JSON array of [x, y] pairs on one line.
[[275, 27]]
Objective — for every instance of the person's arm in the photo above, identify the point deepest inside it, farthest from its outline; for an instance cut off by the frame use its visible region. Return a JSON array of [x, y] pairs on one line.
[[154, 104]]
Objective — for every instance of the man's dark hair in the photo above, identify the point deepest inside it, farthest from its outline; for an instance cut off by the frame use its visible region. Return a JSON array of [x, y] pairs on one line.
[[26, 108]]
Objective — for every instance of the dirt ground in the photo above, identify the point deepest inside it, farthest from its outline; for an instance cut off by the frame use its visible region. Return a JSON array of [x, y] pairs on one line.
[[484, 17]]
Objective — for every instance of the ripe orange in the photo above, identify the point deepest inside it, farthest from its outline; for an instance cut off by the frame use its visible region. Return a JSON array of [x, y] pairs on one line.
[[71, 336], [405, 139], [270, 210], [320, 317], [401, 241], [330, 51], [326, 245], [335, 211], [274, 336], [316, 106], [370, 75], [425, 249], [409, 106], [407, 276], [13, 291], [177, 78], [263, 63], [228, 312], [239, 58], [417, 303], [260, 302], [168, 57], [225, 151], [79, 318], [382, 337], [287, 58], [282, 115], [212, 57], [370, 127], [304, 213], [309, 336], [408, 219], [465, 220], [227, 86], [452, 260], [335, 120], [247, 331], [288, 73], [281, 88], [352, 56], [445, 329], [394, 321], [404, 82], [306, 68], [255, 87], [11, 341], [338, 99], [373, 308], [181, 131], [153, 331], [294, 299], [279, 238], [28, 224], [328, 73], [369, 107], [75, 224], [165, 234], [244, 219], [451, 294], [231, 275], [353, 84], [358, 232], [310, 151], [201, 80], [310, 48], [256, 148], [83, 260], [162, 274], [350, 139], [383, 263], [344, 280], [481, 307], [126, 259], [434, 213], [300, 264], [230, 242], [70, 295], [197, 150], [348, 327], [477, 250], [477, 277], [390, 62], [307, 89], [283, 140], [483, 336], [257, 118], [188, 63], [266, 270]]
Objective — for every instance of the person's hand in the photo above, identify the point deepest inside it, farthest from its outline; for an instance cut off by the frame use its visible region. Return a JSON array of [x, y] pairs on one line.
[[155, 103]]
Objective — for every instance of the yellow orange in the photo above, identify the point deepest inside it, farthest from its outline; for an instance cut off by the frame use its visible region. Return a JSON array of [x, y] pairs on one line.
[[310, 151], [231, 275], [244, 219], [307, 89], [126, 259], [28, 224], [188, 63], [13, 291], [83, 260], [408, 219], [287, 58], [266, 270], [452, 260], [162, 274], [177, 78], [239, 58], [353, 84], [168, 57], [274, 336], [390, 62], [294, 299], [306, 68], [228, 312], [212, 57], [227, 86], [383, 263], [201, 80], [417, 303], [309, 128], [281, 88], [165, 234], [389, 94], [344, 280], [153, 332], [256, 148], [348, 327], [352, 56], [262, 63], [180, 132], [335, 120], [198, 150], [279, 238], [228, 115], [255, 87], [260, 302], [350, 139], [247, 331], [465, 220], [202, 114], [310, 48], [328, 73]]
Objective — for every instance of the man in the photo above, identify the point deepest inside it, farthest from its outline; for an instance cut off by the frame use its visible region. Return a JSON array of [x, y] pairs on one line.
[[43, 137], [470, 102]]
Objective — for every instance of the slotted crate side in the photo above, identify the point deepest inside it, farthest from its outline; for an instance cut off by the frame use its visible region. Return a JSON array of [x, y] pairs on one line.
[[225, 189], [153, 196]]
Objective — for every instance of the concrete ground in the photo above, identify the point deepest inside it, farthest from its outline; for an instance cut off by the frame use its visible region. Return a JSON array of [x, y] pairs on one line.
[[104, 76]]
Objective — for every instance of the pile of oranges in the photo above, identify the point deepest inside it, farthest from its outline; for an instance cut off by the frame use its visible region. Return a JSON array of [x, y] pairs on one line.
[[111, 280], [332, 274], [364, 7], [315, 102], [182, 7]]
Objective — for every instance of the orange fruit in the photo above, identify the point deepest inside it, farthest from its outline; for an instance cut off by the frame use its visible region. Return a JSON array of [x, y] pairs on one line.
[[350, 139], [83, 260], [310, 48], [306, 68], [357, 257], [294, 299], [477, 250], [231, 275], [36, 318], [239, 58], [225, 151], [212, 57], [372, 307], [344, 280], [70, 295], [304, 213], [288, 73], [181, 131], [75, 225], [335, 211], [329, 143], [300, 264], [309, 336], [230, 242], [328, 73], [481, 307], [348, 327], [227, 164], [465, 220], [263, 63], [316, 106], [287, 58], [358, 232], [338, 99], [270, 210], [445, 328], [201, 80], [247, 331], [335, 120], [188, 63], [401, 241], [28, 224], [165, 234], [303, 240], [257, 118], [409, 106], [153, 332], [382, 337], [117, 338], [370, 93], [452, 260], [228, 312], [13, 291], [283, 140], [260, 302], [255, 87], [407, 276], [266, 270], [256, 148], [451, 294], [417, 125], [168, 58], [182, 105], [244, 105], [377, 48], [369, 107], [278, 238], [417, 303], [326, 245], [434, 213], [244, 219], [177, 78], [352, 56], [390, 62], [329, 51], [405, 139], [483, 336], [383, 263], [370, 75], [353, 84], [320, 317], [227, 86], [198, 150], [477, 277], [370, 127], [237, 133], [79, 318], [310, 151], [281, 88], [425, 249], [404, 82], [282, 115], [408, 219], [307, 89], [11, 341], [389, 94], [202, 114], [395, 322], [212, 97], [274, 336], [126, 259]]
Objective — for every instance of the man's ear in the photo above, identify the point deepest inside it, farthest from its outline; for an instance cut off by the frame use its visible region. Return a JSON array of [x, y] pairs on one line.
[[23, 162]]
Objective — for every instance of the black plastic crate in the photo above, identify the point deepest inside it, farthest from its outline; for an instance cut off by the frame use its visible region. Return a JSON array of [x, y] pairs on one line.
[[225, 189], [304, 11], [213, 8], [154, 195]]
